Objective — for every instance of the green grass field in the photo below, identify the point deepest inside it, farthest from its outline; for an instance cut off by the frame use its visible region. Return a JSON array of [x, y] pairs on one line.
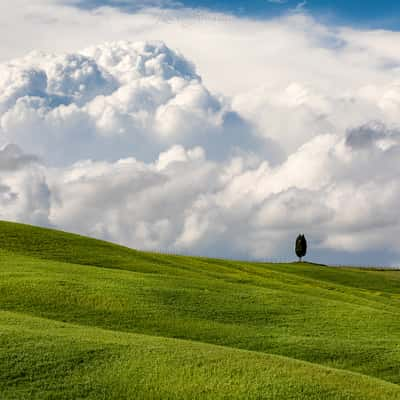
[[82, 318]]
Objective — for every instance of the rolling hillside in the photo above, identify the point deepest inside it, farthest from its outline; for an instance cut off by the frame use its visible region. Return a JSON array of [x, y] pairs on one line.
[[82, 318]]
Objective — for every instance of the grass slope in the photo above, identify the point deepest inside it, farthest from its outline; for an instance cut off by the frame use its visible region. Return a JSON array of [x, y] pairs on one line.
[[146, 325], [50, 359]]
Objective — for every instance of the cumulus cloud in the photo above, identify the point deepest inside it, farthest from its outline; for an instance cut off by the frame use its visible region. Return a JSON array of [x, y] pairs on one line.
[[24, 193], [253, 132], [138, 97], [240, 207]]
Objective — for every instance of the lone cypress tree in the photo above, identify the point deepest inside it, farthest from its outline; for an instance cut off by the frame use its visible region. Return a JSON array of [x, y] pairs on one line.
[[301, 246]]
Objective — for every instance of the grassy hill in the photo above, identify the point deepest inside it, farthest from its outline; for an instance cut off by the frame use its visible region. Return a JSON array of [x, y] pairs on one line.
[[82, 318]]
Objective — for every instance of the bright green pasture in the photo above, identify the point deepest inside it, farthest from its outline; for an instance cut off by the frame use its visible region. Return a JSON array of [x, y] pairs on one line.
[[81, 318]]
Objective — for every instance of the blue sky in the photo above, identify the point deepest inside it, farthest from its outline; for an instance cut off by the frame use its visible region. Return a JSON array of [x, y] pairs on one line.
[[368, 13], [294, 126]]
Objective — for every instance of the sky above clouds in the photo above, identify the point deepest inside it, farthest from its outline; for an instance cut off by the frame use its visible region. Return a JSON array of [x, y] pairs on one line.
[[367, 13], [204, 129]]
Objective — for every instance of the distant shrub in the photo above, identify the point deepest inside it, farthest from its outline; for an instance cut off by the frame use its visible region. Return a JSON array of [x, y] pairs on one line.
[[301, 246]]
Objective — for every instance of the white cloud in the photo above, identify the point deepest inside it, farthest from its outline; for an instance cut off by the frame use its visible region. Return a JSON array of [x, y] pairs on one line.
[[24, 193], [142, 97], [184, 202]]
